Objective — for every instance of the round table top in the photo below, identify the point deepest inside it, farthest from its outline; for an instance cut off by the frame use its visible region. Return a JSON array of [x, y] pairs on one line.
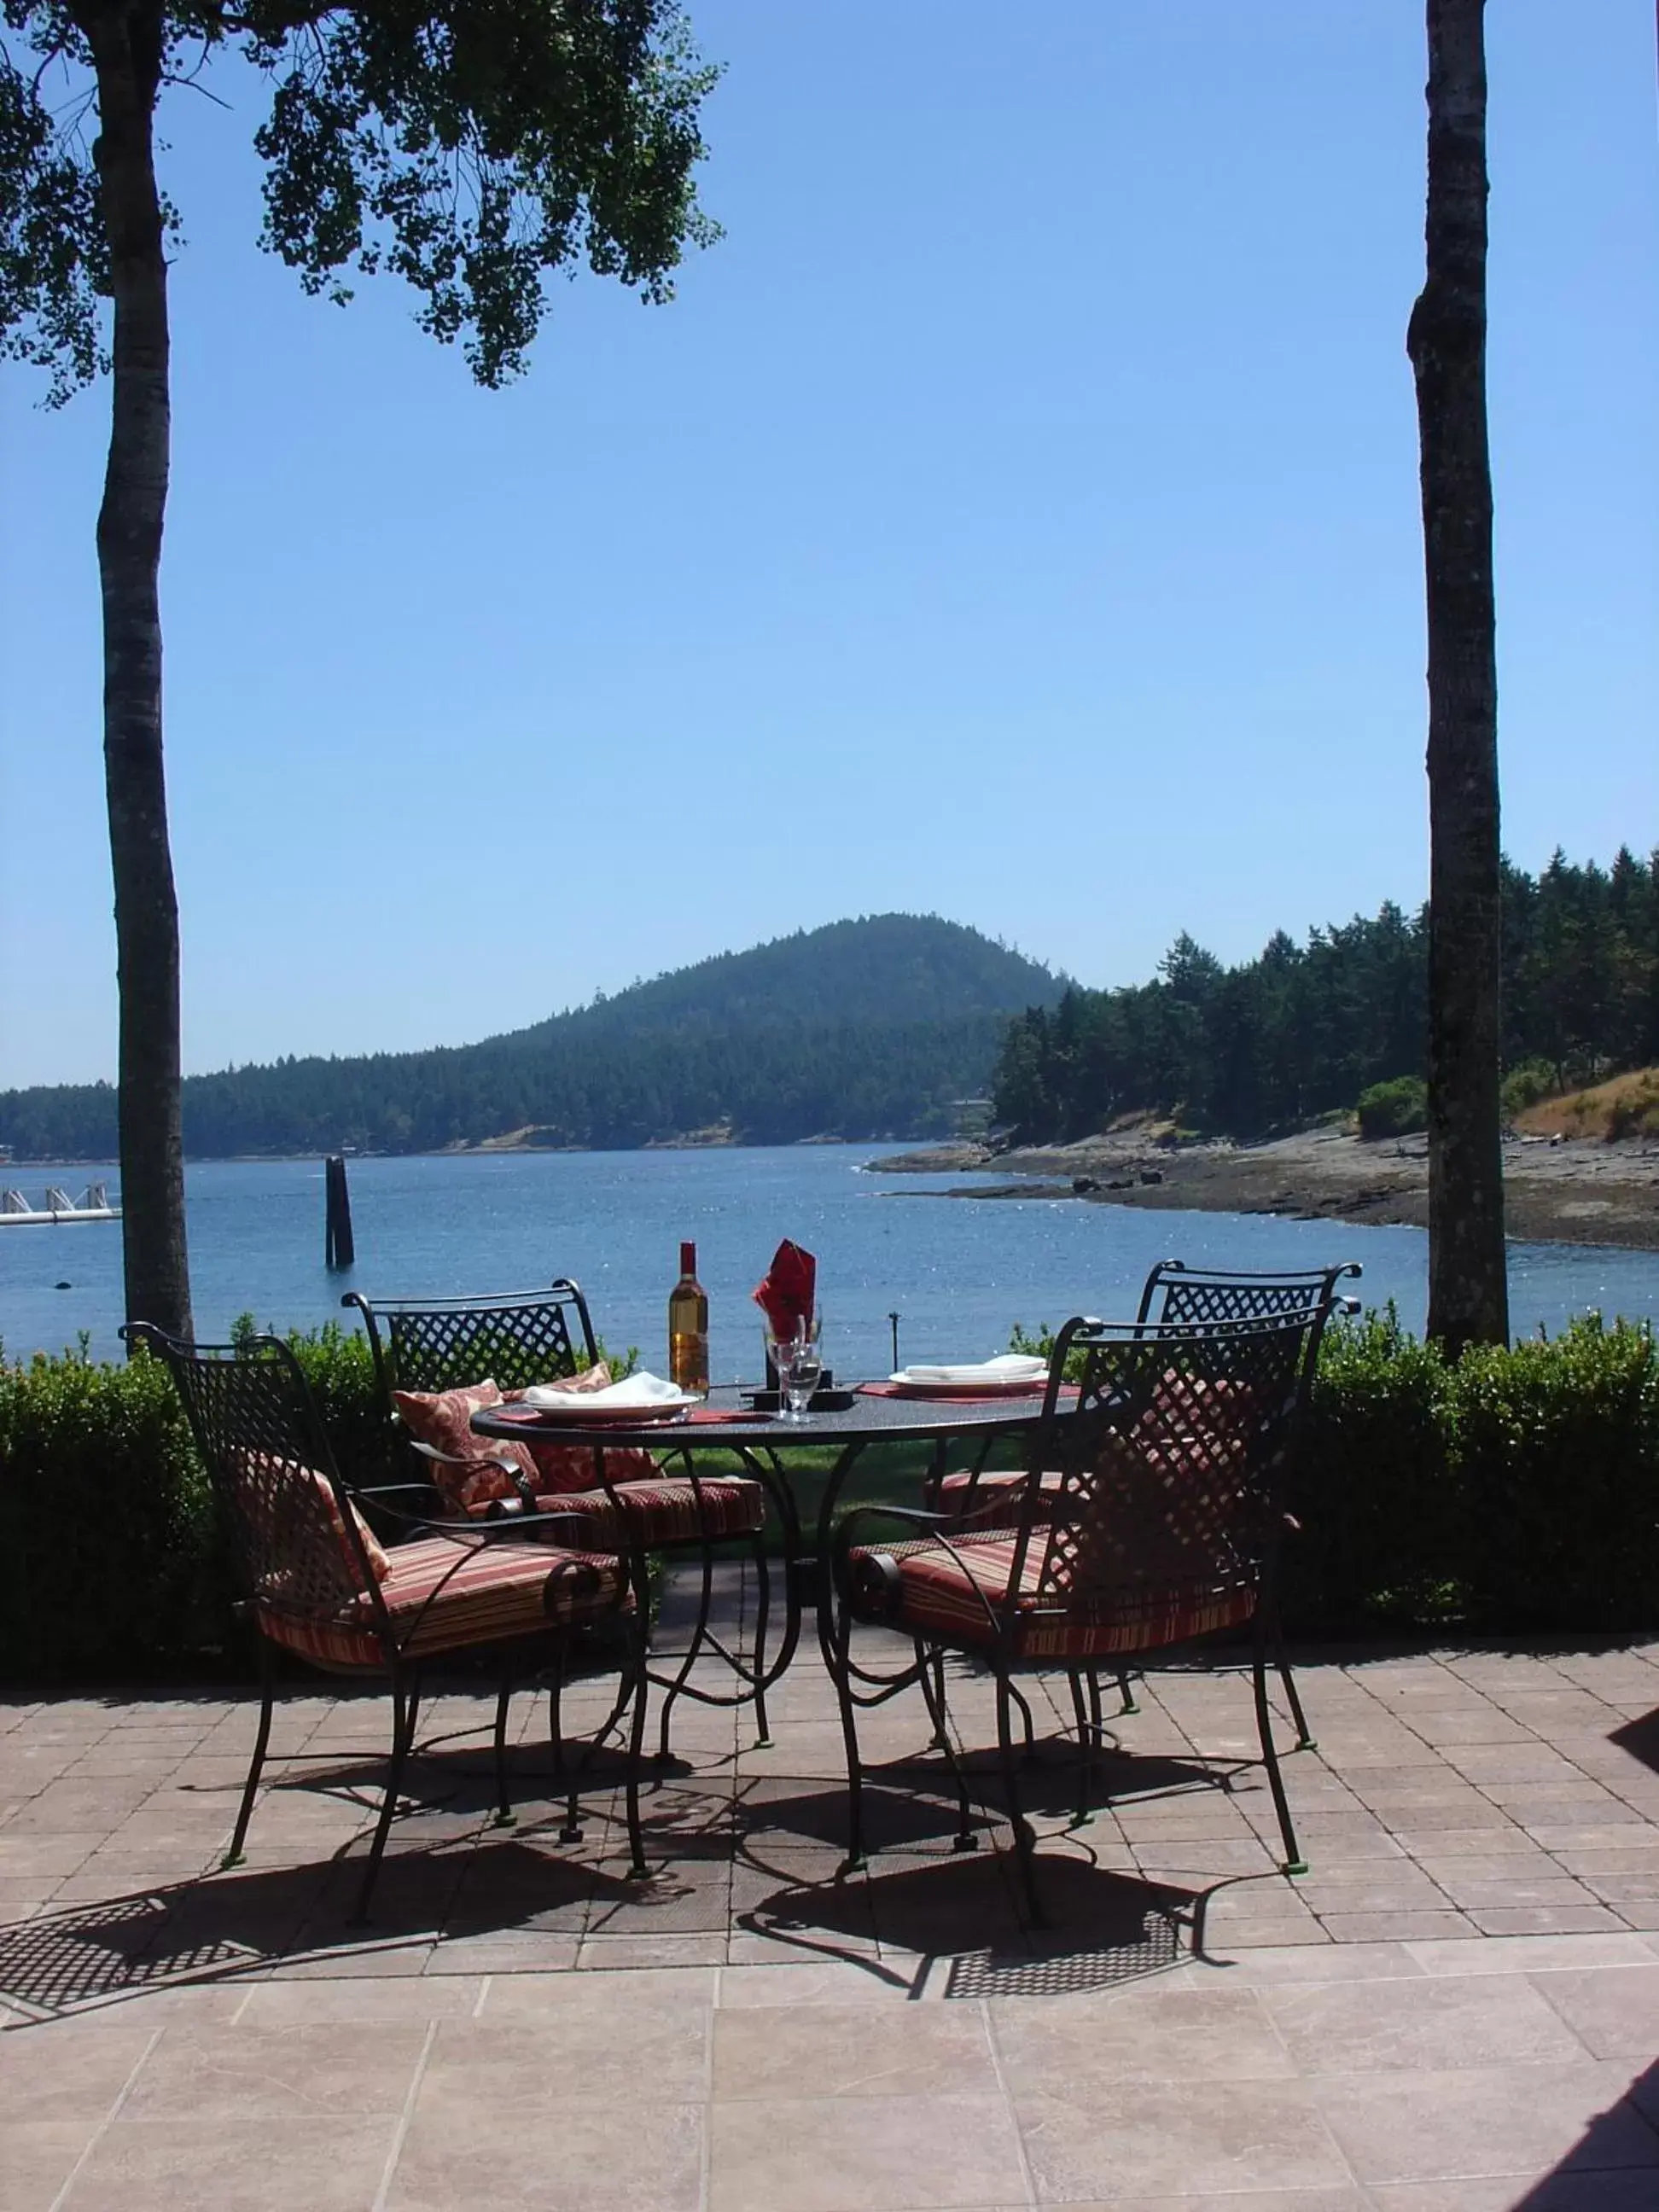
[[866, 1420]]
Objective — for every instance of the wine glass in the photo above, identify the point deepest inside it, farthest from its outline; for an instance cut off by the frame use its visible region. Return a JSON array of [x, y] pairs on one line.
[[797, 1363], [798, 1378]]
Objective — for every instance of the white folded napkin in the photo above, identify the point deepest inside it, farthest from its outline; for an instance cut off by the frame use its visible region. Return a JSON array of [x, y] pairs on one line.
[[1012, 1367], [643, 1390]]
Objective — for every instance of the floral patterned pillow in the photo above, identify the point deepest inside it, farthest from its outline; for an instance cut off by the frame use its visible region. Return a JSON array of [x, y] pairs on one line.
[[260, 1476], [562, 1468], [443, 1418]]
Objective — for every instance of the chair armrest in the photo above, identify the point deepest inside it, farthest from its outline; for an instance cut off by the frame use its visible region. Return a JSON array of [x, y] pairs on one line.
[[528, 1527], [514, 1473], [913, 1516], [932, 1525], [454, 1459]]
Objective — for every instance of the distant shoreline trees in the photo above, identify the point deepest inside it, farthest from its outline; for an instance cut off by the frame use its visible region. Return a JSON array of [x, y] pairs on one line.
[[1302, 1029]]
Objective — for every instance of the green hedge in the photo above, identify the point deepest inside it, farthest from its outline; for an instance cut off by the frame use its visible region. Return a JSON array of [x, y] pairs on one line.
[[108, 1556], [1517, 1491]]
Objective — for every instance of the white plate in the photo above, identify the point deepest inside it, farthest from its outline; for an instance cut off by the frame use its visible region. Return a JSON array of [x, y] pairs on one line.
[[581, 1413], [989, 1386]]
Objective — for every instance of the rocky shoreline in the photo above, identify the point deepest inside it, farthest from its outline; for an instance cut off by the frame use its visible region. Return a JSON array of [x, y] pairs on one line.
[[1571, 1192]]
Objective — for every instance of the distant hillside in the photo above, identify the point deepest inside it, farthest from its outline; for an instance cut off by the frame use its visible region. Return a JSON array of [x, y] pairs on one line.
[[863, 1028]]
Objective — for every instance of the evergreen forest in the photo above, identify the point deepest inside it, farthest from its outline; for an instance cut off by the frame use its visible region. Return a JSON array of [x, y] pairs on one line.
[[876, 1027], [1305, 1030]]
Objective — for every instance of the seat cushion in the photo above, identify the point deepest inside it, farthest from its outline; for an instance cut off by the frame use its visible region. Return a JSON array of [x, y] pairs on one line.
[[443, 1596], [666, 1509], [928, 1590], [673, 1510], [602, 1530]]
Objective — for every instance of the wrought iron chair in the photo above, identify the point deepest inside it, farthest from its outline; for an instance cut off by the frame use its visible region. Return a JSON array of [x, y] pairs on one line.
[[519, 1339], [1160, 1521], [319, 1585], [1173, 1294]]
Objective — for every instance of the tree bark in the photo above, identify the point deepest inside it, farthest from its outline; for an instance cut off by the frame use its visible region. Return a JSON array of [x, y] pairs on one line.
[[1468, 1293], [127, 49]]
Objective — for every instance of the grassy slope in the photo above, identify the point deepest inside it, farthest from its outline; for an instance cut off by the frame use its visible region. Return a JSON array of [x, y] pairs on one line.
[[1624, 1106]]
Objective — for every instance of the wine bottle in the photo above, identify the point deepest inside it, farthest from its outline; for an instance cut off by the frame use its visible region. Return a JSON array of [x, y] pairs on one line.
[[688, 1327]]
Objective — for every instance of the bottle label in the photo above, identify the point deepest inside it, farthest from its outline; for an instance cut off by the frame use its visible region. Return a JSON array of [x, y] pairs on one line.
[[688, 1361]]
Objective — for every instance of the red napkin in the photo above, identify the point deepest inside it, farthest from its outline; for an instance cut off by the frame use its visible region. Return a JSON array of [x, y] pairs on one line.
[[787, 1294]]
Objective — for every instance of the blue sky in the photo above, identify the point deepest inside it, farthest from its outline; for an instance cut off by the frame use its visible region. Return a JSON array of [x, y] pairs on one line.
[[1014, 517]]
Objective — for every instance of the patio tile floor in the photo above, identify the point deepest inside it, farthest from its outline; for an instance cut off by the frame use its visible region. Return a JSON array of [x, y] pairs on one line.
[[1457, 2010]]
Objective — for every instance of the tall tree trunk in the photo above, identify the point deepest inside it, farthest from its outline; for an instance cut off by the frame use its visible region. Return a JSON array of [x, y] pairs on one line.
[[126, 44], [1468, 1293]]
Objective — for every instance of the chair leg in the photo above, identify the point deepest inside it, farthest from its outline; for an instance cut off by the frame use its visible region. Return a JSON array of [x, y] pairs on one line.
[[1294, 1863], [596, 1743], [637, 1869], [572, 1830], [504, 1814], [1304, 1741], [556, 1712], [850, 1729], [762, 1606], [393, 1777], [932, 1665], [412, 1708], [1088, 1737], [1020, 1699], [698, 1634], [250, 1788], [1124, 1690], [1024, 1836]]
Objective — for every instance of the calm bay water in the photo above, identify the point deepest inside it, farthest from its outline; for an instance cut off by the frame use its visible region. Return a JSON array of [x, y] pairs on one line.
[[958, 1273]]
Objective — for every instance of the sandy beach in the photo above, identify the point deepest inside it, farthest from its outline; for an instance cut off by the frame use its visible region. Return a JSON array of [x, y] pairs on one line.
[[1574, 1191]]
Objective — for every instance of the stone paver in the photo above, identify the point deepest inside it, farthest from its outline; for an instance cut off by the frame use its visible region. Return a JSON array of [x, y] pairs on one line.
[[1457, 2010]]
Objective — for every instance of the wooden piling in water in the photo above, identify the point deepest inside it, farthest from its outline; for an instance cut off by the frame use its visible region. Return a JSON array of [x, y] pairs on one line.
[[338, 1249]]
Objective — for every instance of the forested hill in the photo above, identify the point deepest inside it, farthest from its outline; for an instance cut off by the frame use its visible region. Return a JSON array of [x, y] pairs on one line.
[[871, 1028], [1306, 1029]]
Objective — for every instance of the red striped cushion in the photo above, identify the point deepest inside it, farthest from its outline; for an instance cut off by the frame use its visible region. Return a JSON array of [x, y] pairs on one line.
[[442, 1595], [945, 1595], [603, 1529], [673, 1512], [667, 1510]]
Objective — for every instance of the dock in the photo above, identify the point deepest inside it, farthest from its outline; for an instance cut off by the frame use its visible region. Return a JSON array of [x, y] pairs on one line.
[[58, 1207]]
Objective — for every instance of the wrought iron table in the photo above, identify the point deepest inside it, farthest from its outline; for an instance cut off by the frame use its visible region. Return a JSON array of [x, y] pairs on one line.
[[763, 1443]]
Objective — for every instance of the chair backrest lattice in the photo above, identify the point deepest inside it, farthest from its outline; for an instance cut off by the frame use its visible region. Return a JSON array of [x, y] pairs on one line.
[[273, 1473], [516, 1339], [1178, 1295], [1171, 1466]]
